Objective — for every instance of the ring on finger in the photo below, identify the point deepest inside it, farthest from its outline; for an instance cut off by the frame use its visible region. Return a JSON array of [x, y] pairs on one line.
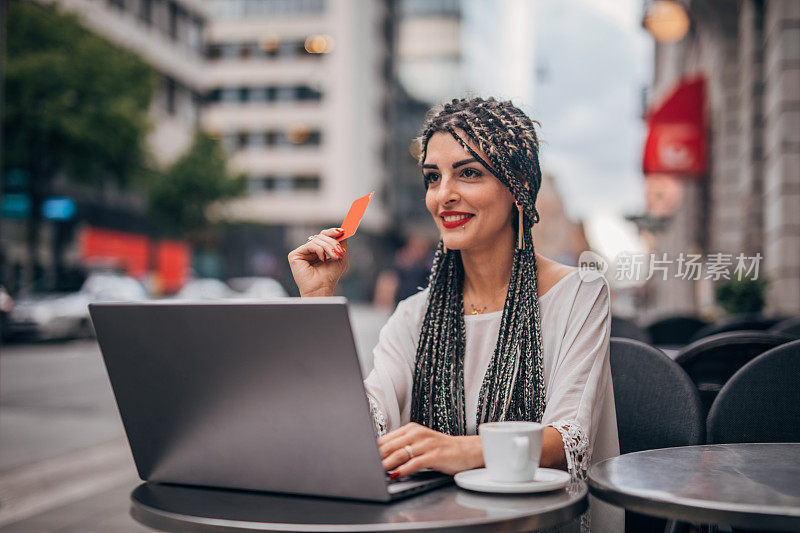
[[311, 238], [409, 451]]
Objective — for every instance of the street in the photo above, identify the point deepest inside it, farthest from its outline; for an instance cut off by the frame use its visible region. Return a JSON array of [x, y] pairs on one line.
[[64, 461]]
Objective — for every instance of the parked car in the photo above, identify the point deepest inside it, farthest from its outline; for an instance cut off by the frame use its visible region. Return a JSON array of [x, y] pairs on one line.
[[205, 289], [257, 288], [65, 315], [6, 303]]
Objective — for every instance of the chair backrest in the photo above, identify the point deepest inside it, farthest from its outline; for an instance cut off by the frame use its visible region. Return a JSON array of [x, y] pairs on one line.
[[790, 326], [657, 403], [628, 329], [761, 402], [711, 361], [746, 322], [674, 330]]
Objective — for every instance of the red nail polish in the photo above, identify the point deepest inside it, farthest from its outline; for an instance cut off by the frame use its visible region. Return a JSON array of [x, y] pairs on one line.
[[394, 475], [340, 249]]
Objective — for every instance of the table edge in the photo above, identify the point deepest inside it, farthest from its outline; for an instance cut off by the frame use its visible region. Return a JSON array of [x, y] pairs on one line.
[[738, 515], [169, 521]]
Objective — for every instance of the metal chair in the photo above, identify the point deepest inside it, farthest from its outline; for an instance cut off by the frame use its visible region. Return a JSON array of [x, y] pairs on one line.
[[761, 402], [746, 322], [628, 329], [790, 326], [674, 330], [711, 361], [657, 407]]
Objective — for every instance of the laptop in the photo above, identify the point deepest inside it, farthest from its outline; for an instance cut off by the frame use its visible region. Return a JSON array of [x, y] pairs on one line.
[[263, 396]]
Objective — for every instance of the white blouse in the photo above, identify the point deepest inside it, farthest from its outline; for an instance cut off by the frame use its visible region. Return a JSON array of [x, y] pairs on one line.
[[576, 321]]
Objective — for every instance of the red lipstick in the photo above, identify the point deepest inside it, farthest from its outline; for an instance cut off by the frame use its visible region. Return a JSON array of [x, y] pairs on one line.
[[455, 223]]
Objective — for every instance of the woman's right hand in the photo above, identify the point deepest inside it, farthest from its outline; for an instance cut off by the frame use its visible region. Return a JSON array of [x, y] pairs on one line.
[[315, 274]]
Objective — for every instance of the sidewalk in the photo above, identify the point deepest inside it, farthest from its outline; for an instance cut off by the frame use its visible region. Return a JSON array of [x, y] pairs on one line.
[[103, 512], [85, 474]]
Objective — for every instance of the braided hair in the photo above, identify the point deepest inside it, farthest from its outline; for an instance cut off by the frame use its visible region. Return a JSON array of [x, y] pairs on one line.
[[513, 386]]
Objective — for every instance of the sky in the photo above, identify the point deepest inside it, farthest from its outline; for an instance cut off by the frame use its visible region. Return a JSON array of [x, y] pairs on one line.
[[579, 68], [595, 59]]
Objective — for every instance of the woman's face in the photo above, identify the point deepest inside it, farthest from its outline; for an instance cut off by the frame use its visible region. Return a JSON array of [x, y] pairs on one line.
[[469, 204]]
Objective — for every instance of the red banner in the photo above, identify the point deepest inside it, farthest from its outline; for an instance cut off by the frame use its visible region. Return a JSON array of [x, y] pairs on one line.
[[173, 263], [676, 133], [128, 251], [131, 252]]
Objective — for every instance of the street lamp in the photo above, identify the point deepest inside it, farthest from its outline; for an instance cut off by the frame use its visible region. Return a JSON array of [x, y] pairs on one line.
[[666, 20]]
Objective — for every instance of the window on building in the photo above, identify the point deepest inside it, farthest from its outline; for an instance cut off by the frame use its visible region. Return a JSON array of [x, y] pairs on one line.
[[314, 138], [287, 49], [170, 88], [305, 92], [230, 141], [280, 183], [306, 183], [246, 8], [172, 17], [288, 183], [146, 11], [298, 93], [230, 51], [256, 140], [256, 184], [194, 37], [268, 48], [257, 95], [284, 94], [282, 139], [271, 138], [160, 15], [254, 50], [428, 8]]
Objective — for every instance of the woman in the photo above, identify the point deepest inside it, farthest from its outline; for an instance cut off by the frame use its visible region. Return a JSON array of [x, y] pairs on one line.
[[501, 333]]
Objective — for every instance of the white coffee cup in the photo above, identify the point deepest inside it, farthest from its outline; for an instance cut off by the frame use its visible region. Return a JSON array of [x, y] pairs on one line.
[[511, 450]]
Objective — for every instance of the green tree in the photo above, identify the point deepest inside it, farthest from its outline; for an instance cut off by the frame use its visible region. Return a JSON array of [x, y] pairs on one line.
[[74, 104], [740, 296], [179, 198]]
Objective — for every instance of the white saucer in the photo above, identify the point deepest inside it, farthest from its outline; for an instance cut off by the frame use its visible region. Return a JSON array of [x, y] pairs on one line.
[[546, 479]]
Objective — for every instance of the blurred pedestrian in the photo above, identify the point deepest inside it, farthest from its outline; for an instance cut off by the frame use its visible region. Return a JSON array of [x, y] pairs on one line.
[[408, 275]]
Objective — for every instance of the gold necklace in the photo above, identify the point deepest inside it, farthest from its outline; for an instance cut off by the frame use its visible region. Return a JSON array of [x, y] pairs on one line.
[[476, 311]]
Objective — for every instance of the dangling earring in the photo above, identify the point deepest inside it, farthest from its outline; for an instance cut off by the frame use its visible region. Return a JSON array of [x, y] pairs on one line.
[[520, 240]]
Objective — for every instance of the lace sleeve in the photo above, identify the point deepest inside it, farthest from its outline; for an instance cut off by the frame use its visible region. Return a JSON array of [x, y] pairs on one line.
[[576, 447], [378, 418]]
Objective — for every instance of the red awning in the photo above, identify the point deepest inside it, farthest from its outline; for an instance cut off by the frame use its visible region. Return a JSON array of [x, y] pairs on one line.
[[676, 133]]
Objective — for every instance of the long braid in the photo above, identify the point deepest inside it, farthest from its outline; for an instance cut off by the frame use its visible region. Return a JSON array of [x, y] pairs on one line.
[[513, 387]]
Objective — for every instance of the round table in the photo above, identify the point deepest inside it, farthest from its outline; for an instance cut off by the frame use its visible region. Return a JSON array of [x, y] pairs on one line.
[[741, 485], [181, 508]]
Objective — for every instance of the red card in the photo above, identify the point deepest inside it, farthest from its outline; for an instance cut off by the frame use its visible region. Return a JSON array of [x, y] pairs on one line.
[[354, 216]]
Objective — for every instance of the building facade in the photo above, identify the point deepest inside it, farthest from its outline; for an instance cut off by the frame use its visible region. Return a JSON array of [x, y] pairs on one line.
[[748, 201], [295, 92], [167, 34]]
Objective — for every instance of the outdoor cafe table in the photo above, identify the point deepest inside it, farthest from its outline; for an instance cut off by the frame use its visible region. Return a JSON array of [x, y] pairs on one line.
[[753, 486], [181, 508]]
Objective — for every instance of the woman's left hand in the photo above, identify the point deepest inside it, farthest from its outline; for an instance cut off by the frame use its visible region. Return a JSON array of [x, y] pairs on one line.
[[431, 449]]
